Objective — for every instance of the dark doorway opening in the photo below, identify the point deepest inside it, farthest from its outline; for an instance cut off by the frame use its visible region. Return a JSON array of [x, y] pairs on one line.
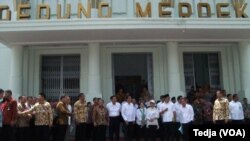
[[133, 72]]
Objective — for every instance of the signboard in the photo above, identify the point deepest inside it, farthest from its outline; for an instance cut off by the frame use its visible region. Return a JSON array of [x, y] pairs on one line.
[[184, 10]]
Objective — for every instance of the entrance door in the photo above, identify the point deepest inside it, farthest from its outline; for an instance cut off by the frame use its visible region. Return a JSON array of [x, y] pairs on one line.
[[132, 72], [60, 75]]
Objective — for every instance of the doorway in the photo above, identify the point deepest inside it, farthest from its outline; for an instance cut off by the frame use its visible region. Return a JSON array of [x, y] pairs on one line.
[[132, 72]]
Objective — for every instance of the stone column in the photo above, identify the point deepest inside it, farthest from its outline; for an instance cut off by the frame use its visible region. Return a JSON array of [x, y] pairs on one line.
[[174, 80], [244, 53], [94, 78], [16, 71]]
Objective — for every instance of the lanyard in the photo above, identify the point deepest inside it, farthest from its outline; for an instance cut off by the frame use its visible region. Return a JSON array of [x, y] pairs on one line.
[[143, 113]]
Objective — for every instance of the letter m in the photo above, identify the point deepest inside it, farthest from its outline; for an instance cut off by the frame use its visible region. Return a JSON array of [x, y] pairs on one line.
[[141, 13]]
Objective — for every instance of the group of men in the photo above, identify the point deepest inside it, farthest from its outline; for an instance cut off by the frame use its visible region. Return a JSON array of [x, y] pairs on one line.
[[30, 119], [143, 120]]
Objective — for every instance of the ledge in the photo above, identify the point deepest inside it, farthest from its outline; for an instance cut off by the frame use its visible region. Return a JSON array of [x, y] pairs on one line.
[[125, 23], [34, 32]]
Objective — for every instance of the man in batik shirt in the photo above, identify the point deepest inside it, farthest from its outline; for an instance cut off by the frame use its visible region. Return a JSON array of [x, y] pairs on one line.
[[246, 109], [43, 118], [100, 120], [198, 118], [81, 117], [23, 120], [220, 109], [207, 111]]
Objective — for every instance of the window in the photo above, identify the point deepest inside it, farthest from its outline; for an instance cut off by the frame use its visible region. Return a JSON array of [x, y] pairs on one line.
[[201, 69], [60, 75]]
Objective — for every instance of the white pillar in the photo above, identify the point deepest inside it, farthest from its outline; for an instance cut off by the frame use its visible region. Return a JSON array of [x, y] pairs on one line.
[[94, 85], [174, 80], [244, 50], [16, 71]]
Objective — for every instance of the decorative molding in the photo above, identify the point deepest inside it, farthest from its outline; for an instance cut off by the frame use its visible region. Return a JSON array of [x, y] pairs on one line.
[[124, 23], [35, 53]]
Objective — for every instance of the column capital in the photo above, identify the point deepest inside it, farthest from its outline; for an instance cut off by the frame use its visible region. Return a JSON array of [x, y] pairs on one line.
[[11, 46], [93, 44], [172, 43], [244, 43]]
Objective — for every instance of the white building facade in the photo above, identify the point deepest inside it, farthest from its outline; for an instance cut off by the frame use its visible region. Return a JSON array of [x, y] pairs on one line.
[[160, 43]]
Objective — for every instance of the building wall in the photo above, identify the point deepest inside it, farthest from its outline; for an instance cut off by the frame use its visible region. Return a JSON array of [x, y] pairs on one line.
[[229, 60], [5, 60]]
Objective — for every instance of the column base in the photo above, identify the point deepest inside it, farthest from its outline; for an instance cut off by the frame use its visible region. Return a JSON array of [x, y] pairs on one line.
[[244, 93], [177, 93], [90, 96]]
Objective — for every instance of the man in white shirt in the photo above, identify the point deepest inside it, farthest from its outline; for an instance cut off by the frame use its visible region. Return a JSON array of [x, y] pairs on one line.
[[114, 109], [159, 104], [236, 110], [161, 128], [168, 118], [70, 126], [128, 114], [186, 118], [177, 134]]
